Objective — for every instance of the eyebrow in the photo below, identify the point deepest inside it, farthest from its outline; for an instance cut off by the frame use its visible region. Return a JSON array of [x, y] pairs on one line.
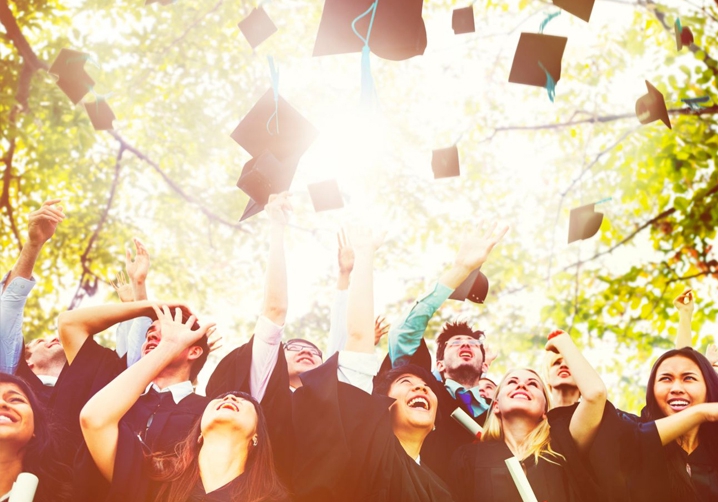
[[15, 392]]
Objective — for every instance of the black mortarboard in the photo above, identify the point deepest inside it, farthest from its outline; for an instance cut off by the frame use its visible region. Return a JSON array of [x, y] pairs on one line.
[[263, 176], [684, 35], [445, 162], [325, 195], [100, 115], [397, 33], [652, 106], [580, 8], [257, 27], [475, 288], [462, 20], [584, 222], [285, 135], [73, 80], [535, 48]]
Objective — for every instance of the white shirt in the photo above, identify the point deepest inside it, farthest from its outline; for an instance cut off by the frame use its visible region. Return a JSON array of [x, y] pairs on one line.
[[12, 304], [179, 390]]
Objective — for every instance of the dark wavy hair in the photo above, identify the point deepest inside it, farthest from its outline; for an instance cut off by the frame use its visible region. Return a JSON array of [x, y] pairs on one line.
[[179, 472], [42, 451], [456, 328]]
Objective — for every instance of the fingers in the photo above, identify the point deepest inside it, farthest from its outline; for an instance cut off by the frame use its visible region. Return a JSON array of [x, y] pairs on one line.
[[203, 330], [158, 313], [140, 248]]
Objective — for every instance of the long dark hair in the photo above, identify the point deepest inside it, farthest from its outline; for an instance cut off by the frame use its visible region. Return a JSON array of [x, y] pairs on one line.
[[42, 451], [179, 472]]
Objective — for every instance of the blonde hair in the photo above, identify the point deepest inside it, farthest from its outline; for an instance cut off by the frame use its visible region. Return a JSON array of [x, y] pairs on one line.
[[538, 442]]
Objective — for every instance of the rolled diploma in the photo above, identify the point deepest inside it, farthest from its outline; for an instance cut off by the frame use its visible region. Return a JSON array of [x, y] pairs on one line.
[[23, 490], [520, 480], [467, 422]]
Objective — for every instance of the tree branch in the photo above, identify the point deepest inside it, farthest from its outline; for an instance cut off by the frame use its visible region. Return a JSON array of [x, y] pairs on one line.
[[18, 39], [5, 197]]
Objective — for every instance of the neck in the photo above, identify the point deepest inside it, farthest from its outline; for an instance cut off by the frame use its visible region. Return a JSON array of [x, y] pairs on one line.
[[10, 468], [689, 441], [468, 380], [411, 441], [516, 430], [295, 381], [167, 378], [566, 395], [221, 459], [52, 368]]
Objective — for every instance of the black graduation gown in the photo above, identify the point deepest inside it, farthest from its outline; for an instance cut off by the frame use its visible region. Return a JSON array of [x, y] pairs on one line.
[[347, 450], [440, 445], [233, 374], [480, 472]]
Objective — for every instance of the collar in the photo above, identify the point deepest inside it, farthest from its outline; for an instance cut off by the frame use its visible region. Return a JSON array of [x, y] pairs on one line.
[[48, 380], [179, 390], [453, 387]]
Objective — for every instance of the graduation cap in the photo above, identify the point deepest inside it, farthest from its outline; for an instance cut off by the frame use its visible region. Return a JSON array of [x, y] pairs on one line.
[[397, 28], [257, 27], [100, 114], [325, 195], [684, 35], [462, 20], [284, 134], [580, 8], [652, 106], [263, 176], [475, 288], [584, 222], [73, 80], [537, 60], [445, 162]]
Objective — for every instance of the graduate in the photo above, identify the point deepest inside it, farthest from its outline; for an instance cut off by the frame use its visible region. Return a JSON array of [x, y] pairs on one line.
[[226, 456], [356, 446], [27, 443], [549, 444]]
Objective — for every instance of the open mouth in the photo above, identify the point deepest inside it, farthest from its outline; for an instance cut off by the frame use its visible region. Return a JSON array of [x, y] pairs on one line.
[[6, 419], [564, 373], [150, 346], [678, 404], [305, 359], [228, 405], [419, 402], [520, 395], [466, 354]]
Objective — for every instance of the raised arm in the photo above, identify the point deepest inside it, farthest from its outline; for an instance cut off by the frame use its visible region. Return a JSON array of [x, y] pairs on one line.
[[684, 304], [138, 269], [672, 427], [101, 415], [587, 417], [405, 336], [338, 314]]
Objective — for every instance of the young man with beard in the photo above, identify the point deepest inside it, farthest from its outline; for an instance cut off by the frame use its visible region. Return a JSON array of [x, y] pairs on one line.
[[460, 354]]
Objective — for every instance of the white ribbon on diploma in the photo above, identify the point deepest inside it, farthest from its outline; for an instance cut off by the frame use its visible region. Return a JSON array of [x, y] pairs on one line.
[[520, 480], [23, 490]]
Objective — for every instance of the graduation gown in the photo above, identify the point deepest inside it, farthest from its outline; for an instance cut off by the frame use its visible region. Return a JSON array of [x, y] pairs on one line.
[[346, 448], [480, 472], [440, 445]]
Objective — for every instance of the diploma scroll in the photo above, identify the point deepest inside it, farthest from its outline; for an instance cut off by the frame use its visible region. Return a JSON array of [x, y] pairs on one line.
[[520, 480], [467, 422], [23, 490]]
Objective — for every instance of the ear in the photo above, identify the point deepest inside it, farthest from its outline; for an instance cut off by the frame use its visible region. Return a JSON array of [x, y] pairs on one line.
[[484, 368], [440, 366], [195, 352]]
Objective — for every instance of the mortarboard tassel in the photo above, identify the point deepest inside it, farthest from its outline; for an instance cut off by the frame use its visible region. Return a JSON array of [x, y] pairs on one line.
[[695, 103], [367, 82], [275, 87], [547, 20], [550, 83]]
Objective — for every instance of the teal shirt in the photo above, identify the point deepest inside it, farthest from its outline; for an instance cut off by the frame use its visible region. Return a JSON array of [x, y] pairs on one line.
[[478, 404]]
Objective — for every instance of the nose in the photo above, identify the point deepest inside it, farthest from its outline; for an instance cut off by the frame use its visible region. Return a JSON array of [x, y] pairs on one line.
[[421, 387], [677, 387]]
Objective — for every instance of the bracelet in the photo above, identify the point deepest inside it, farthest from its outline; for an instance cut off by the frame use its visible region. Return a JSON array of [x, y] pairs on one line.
[[554, 334]]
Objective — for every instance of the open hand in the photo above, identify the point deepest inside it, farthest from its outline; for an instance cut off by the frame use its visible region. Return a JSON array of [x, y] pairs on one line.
[[140, 267], [477, 245], [364, 238], [712, 354], [177, 331], [346, 253], [43, 222], [381, 328], [123, 288]]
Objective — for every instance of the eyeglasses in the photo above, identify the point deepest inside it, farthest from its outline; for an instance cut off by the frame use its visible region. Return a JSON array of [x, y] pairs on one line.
[[459, 343], [298, 347]]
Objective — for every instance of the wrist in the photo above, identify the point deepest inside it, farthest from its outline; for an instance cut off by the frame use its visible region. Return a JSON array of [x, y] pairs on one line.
[[463, 268]]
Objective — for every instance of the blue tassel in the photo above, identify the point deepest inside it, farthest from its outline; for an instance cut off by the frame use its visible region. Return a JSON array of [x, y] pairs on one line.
[[367, 81], [275, 87], [548, 20], [550, 83]]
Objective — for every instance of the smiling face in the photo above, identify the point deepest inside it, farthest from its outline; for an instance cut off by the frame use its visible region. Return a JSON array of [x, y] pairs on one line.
[[679, 385], [43, 353], [415, 405], [558, 373], [17, 423], [487, 389], [230, 413], [462, 359], [521, 392], [301, 357]]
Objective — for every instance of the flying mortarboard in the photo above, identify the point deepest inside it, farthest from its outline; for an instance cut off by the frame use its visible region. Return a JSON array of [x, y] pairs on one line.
[[652, 106], [536, 56], [462, 20], [263, 176], [73, 80], [684, 35], [257, 133], [100, 114], [397, 33], [325, 195], [475, 288], [257, 27], [580, 8], [584, 222], [445, 162]]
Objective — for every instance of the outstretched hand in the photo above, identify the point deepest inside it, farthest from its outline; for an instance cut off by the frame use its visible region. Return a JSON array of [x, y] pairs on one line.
[[123, 288], [712, 354], [177, 331], [279, 208], [684, 303], [381, 328], [138, 269], [43, 222], [345, 255], [364, 238], [477, 245]]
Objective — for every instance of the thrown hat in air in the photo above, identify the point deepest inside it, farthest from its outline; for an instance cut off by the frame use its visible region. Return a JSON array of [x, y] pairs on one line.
[[257, 27], [462, 20], [684, 35], [475, 288], [652, 106], [73, 80], [584, 223], [537, 57], [263, 176], [580, 8], [325, 195], [445, 162], [100, 114]]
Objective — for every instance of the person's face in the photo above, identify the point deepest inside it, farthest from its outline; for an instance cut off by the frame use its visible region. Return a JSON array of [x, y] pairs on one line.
[[231, 413], [301, 357], [152, 338], [679, 385], [17, 420], [487, 388], [558, 373], [415, 405], [461, 353], [521, 393], [43, 352]]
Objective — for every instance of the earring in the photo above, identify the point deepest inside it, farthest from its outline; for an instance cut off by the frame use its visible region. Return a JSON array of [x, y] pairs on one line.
[[200, 439], [255, 440], [433, 428]]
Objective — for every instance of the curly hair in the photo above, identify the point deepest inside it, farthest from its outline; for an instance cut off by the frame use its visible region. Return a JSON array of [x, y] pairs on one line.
[[456, 328]]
